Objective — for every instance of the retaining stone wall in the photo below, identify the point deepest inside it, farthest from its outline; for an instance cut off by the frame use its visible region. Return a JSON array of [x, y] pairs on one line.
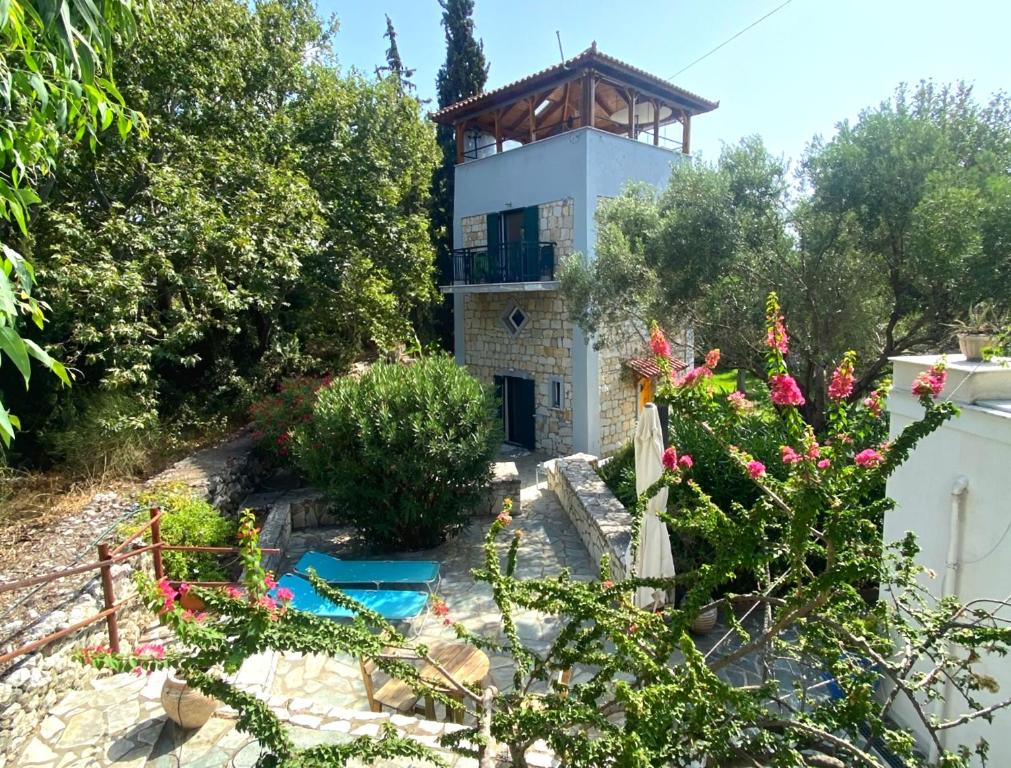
[[505, 484], [222, 475], [603, 523]]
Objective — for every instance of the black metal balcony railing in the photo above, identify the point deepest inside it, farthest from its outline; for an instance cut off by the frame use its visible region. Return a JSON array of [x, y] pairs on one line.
[[508, 263]]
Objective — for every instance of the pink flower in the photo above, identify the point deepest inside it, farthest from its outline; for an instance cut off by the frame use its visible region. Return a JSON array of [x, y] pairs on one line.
[[789, 455], [233, 592], [739, 402], [756, 469], [268, 580], [670, 458], [168, 595], [873, 404], [824, 464], [439, 608], [267, 602], [197, 617], [658, 342], [685, 461], [777, 338], [712, 358], [784, 390], [154, 650], [184, 588], [504, 517], [868, 458], [931, 382], [841, 385], [607, 584], [694, 375], [813, 451], [284, 594]]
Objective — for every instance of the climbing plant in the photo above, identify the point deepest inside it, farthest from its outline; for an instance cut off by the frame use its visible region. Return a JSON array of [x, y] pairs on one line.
[[643, 689]]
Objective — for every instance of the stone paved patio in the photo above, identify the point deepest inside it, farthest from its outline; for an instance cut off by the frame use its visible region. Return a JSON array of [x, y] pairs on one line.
[[119, 722]]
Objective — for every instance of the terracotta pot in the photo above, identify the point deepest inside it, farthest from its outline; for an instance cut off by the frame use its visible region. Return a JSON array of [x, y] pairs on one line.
[[705, 621], [191, 602], [973, 344], [186, 706]]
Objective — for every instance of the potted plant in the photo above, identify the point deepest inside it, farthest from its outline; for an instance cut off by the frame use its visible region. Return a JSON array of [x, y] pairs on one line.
[[979, 330]]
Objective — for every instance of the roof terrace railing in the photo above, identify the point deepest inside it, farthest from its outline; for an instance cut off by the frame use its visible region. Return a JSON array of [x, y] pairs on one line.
[[507, 263]]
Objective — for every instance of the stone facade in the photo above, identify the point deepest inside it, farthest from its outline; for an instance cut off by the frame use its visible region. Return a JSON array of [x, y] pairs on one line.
[[556, 225], [603, 523], [619, 391], [542, 350]]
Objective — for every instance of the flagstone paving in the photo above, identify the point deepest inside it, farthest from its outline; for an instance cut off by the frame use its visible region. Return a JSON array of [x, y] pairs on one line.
[[119, 721]]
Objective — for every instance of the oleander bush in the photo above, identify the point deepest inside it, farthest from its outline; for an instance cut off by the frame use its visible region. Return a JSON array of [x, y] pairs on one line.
[[275, 417], [404, 452]]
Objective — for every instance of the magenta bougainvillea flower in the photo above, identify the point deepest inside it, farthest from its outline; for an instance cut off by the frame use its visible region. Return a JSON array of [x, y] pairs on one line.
[[670, 458], [784, 390], [868, 458], [740, 402], [931, 382], [841, 385], [712, 358], [789, 455], [685, 461], [777, 338], [756, 469], [658, 342]]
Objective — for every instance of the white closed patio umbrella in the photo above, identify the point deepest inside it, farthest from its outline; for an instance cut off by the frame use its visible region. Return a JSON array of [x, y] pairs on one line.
[[653, 556]]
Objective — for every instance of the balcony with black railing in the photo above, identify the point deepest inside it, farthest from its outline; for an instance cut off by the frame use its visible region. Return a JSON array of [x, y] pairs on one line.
[[519, 262]]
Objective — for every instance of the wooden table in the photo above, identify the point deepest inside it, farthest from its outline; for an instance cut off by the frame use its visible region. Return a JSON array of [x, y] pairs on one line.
[[466, 664]]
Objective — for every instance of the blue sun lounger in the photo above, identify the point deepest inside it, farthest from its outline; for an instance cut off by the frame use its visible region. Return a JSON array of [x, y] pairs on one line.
[[375, 572], [391, 604]]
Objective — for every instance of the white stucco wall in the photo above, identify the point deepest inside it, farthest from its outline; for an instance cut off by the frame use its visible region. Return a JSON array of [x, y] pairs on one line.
[[975, 446], [584, 165]]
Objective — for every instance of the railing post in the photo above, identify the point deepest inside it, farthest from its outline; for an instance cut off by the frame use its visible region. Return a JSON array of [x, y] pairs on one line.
[[159, 570], [109, 596]]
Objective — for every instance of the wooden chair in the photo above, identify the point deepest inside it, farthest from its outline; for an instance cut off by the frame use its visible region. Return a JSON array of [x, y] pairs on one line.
[[393, 694]]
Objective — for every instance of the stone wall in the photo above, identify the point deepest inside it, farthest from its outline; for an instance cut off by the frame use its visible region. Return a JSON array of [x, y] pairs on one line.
[[603, 523], [540, 351], [32, 684], [619, 391], [556, 225], [505, 484]]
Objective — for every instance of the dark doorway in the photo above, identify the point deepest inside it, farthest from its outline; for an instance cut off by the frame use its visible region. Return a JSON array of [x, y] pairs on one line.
[[516, 397]]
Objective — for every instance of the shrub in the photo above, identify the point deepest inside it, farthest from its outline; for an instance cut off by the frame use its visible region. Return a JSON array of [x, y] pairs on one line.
[[403, 452], [276, 416], [190, 522]]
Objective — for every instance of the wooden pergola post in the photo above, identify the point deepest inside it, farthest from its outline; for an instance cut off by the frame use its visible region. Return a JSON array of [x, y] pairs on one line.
[[631, 113], [656, 122], [498, 131], [533, 119], [459, 143], [686, 133], [589, 99]]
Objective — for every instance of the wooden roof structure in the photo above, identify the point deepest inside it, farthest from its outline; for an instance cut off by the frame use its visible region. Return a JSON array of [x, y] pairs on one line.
[[590, 89]]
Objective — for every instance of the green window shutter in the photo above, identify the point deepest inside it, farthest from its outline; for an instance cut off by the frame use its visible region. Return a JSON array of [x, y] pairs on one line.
[[494, 226], [531, 224]]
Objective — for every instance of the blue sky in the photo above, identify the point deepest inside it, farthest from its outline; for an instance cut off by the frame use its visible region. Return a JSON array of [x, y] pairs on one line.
[[796, 74]]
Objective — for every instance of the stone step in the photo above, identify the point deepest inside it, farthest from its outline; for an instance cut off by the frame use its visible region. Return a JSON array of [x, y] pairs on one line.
[[115, 722]]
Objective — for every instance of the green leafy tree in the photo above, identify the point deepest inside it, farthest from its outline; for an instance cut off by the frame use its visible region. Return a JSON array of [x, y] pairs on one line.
[[896, 229], [273, 221], [463, 74], [56, 84]]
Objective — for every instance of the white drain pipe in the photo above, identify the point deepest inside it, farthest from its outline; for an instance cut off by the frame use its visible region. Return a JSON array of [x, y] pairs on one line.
[[951, 583]]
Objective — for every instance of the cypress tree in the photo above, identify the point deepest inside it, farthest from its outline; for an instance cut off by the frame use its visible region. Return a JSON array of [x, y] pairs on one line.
[[394, 65], [463, 74]]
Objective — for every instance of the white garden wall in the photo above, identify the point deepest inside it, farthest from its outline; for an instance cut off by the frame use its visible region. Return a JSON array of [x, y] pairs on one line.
[[963, 469]]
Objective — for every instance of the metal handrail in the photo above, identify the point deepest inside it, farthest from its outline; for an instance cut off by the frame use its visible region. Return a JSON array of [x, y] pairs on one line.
[[513, 262]]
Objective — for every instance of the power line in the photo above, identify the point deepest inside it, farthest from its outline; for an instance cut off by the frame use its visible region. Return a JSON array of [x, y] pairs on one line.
[[730, 39]]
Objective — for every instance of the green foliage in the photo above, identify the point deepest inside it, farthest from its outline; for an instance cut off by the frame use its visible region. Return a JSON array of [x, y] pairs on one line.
[[403, 452], [276, 416], [56, 87], [192, 522], [272, 223], [899, 225]]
